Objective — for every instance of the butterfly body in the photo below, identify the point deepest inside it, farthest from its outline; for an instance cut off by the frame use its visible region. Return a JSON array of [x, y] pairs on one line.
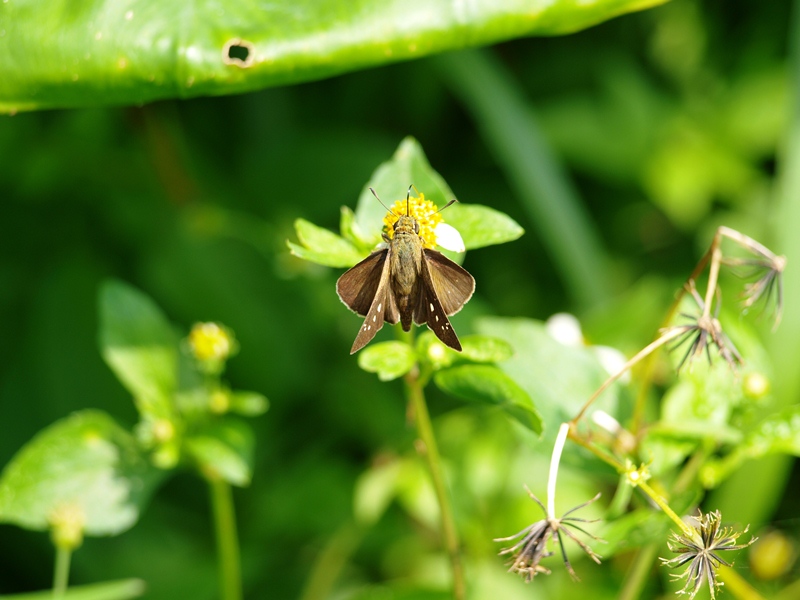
[[407, 283]]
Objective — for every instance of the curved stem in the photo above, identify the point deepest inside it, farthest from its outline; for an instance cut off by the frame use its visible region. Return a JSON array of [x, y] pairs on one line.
[[61, 571], [227, 539], [426, 446], [558, 447]]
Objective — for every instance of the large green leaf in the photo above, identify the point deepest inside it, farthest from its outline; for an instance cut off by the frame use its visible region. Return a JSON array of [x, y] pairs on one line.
[[486, 384], [86, 464], [140, 346], [68, 53], [559, 378]]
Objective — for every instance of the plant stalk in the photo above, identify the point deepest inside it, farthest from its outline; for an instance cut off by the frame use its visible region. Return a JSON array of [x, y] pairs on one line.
[[427, 447], [230, 581], [61, 571]]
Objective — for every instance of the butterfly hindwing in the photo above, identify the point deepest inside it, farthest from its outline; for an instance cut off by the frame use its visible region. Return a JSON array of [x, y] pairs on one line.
[[430, 311], [452, 283]]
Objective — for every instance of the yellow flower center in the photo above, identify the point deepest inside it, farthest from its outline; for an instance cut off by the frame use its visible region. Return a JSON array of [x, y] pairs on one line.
[[209, 341], [424, 211]]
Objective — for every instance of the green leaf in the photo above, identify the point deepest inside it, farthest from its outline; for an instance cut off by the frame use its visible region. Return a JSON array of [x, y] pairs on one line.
[[110, 52], [478, 225], [323, 247], [485, 349], [481, 226], [559, 378], [778, 434], [374, 491], [85, 463], [408, 166], [489, 385], [389, 360], [352, 232], [139, 345], [123, 589], [224, 449]]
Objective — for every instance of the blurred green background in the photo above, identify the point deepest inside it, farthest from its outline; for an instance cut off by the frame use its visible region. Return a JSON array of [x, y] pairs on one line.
[[666, 124]]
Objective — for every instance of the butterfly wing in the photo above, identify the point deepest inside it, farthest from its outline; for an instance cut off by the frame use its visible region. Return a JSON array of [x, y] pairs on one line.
[[366, 290], [429, 309], [357, 286], [452, 283]]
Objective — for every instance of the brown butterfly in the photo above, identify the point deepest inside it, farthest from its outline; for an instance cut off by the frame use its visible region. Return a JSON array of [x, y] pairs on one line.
[[406, 282]]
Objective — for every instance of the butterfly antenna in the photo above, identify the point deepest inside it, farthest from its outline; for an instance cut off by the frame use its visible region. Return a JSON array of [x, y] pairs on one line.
[[381, 202], [408, 195], [453, 201]]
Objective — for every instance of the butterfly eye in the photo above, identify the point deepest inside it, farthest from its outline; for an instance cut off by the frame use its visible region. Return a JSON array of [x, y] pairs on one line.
[[416, 227]]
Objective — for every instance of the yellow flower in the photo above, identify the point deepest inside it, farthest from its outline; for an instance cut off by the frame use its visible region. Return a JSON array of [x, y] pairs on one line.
[[210, 342], [424, 211]]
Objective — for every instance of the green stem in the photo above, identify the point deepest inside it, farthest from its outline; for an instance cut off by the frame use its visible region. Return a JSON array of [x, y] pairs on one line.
[[61, 572], [639, 572], [227, 541], [426, 446], [331, 561]]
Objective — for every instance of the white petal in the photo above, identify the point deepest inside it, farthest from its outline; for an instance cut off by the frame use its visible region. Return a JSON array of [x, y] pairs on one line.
[[612, 360], [448, 238], [565, 328]]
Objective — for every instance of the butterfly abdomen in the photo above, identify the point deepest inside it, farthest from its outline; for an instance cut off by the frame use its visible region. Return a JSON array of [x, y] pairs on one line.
[[406, 257]]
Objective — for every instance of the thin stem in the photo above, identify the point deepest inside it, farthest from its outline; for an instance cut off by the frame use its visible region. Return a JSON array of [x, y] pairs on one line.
[[227, 540], [737, 585], [558, 447], [331, 561], [713, 275], [426, 446], [641, 354], [61, 571], [662, 504], [639, 572]]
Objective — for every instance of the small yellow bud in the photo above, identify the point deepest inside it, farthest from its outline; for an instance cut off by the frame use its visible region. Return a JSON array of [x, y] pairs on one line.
[[219, 402], [163, 431], [210, 342], [772, 556], [66, 522], [755, 385]]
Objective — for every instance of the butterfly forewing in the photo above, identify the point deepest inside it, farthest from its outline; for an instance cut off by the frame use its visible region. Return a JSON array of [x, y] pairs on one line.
[[358, 286], [429, 309], [373, 298], [452, 283]]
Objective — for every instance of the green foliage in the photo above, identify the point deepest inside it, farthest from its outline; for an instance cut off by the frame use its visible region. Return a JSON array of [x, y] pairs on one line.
[[86, 465], [139, 345], [109, 52], [478, 225], [389, 360], [558, 378], [110, 590], [486, 384]]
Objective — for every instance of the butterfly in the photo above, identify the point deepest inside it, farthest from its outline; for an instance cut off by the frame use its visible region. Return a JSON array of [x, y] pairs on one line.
[[406, 282]]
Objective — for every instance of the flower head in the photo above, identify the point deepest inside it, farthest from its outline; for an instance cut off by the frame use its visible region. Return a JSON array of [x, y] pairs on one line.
[[705, 331], [701, 552], [432, 228], [531, 548], [211, 344]]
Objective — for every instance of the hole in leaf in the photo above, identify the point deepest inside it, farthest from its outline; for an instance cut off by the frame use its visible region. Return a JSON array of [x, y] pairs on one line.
[[238, 52]]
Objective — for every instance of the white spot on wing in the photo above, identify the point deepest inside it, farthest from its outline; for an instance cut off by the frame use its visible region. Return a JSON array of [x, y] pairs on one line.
[[374, 317], [380, 306], [431, 305]]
